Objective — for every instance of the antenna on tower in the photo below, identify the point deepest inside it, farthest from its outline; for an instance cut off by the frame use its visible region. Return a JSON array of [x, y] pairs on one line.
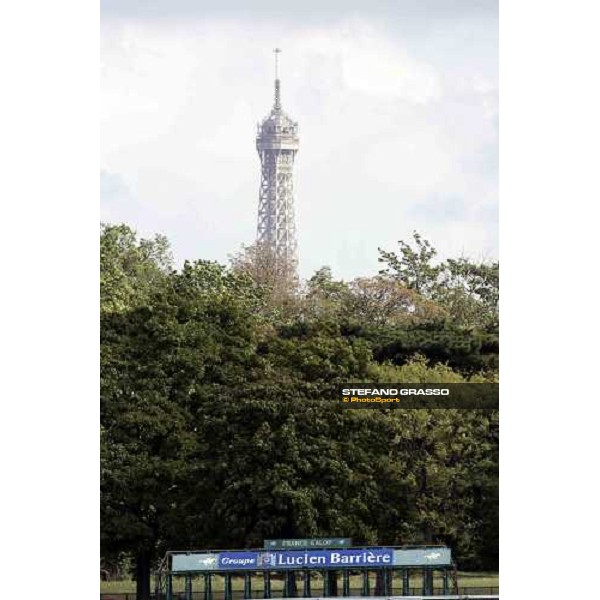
[[277, 52]]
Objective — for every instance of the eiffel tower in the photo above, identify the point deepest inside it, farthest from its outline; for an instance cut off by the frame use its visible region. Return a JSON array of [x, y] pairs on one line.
[[277, 144]]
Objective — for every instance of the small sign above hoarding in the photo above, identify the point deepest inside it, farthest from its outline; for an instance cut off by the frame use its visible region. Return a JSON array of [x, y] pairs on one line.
[[336, 542]]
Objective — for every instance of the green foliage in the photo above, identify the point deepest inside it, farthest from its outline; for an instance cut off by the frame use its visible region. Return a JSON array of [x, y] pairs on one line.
[[464, 350], [130, 269], [218, 425], [468, 291], [158, 358], [413, 267]]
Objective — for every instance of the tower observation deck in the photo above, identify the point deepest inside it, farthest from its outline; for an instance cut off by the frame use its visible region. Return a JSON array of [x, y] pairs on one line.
[[277, 144]]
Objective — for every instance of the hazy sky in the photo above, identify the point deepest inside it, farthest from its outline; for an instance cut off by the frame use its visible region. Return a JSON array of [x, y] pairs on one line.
[[397, 104]]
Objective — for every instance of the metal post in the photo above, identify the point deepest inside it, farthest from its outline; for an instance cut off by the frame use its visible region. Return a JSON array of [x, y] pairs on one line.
[[332, 583], [345, 583], [405, 582], [427, 582], [446, 582], [290, 581], [227, 586], [306, 591], [247, 586], [326, 591], [386, 582], [365, 584], [188, 587], [169, 587], [207, 586], [267, 584]]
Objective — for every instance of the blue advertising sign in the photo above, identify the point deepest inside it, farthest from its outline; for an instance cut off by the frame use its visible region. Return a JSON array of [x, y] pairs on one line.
[[298, 559], [238, 560], [278, 560]]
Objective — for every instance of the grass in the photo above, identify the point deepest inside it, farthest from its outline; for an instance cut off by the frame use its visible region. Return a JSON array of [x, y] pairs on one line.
[[465, 579]]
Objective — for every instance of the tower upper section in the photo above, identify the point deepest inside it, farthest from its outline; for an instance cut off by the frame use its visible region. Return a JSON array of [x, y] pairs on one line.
[[277, 144], [277, 131]]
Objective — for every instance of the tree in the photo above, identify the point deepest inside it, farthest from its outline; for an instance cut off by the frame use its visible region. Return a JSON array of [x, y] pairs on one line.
[[470, 292], [275, 276], [384, 301], [413, 267], [439, 477], [157, 361], [465, 350], [130, 269], [146, 440], [467, 291], [221, 426]]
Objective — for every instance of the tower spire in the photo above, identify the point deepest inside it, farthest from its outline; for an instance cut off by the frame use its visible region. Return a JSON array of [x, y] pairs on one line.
[[277, 104]]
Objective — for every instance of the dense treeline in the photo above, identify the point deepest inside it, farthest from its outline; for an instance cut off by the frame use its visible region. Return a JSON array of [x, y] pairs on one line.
[[217, 428]]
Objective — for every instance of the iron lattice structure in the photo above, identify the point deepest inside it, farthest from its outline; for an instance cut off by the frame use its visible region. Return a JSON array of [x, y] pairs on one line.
[[277, 143]]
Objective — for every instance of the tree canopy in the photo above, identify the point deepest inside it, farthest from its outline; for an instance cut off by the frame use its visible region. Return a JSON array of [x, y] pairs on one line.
[[217, 428]]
